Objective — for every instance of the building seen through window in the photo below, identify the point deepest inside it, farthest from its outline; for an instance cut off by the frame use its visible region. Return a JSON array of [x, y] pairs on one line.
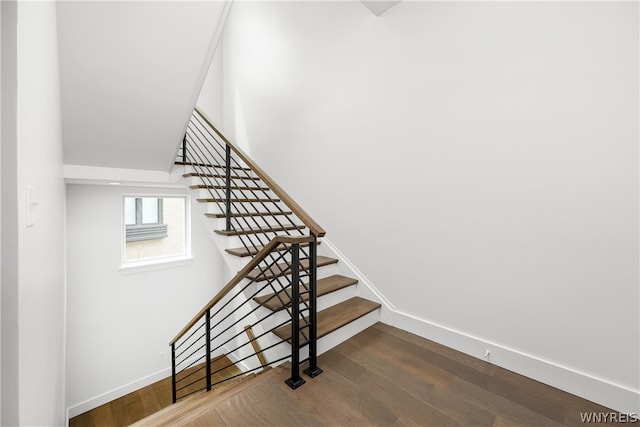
[[154, 227]]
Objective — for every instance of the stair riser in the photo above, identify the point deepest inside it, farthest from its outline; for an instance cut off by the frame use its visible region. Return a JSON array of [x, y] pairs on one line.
[[194, 180], [237, 194], [229, 242], [234, 263], [237, 263], [325, 343], [221, 242], [219, 170], [325, 301], [244, 207], [336, 297], [261, 239], [343, 269], [322, 271], [209, 207], [255, 221], [363, 290], [248, 189], [191, 169]]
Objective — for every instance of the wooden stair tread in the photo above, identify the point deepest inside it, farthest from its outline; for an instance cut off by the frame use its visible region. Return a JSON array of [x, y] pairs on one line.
[[195, 405], [256, 230], [324, 286], [334, 317], [251, 250], [223, 187], [264, 400], [224, 387], [211, 175], [210, 200], [283, 269], [246, 214]]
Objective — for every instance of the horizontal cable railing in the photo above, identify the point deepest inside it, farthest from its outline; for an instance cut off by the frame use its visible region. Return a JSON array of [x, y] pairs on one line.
[[241, 156], [271, 228], [219, 328]]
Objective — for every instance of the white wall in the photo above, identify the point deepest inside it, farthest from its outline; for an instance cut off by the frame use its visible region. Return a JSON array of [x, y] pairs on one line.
[[489, 148], [33, 258], [9, 217], [210, 99], [119, 324], [0, 217]]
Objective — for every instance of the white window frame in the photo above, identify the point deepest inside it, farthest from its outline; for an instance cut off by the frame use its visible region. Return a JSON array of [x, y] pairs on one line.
[[148, 264]]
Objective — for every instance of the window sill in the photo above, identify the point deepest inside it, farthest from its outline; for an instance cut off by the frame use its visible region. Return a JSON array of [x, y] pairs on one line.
[[155, 264], [144, 232]]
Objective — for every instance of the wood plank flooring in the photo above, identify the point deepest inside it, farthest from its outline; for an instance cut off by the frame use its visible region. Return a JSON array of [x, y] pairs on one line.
[[148, 400], [381, 377]]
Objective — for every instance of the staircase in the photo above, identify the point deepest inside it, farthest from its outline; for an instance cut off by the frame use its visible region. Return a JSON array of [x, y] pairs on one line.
[[291, 298]]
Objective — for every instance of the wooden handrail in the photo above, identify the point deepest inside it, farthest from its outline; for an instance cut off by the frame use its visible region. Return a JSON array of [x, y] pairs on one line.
[[306, 219], [241, 275]]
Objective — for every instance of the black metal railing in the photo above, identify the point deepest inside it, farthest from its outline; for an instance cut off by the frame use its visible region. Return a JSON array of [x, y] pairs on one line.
[[217, 330], [270, 227]]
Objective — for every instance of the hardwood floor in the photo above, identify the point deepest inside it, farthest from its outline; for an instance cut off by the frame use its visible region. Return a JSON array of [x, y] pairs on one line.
[[383, 376], [148, 400]]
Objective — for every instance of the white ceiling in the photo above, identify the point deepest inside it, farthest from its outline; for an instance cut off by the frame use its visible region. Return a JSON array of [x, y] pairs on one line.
[[378, 7], [129, 73]]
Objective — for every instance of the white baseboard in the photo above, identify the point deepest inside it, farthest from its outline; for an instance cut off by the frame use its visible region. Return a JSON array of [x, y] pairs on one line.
[[614, 396], [116, 393], [583, 384]]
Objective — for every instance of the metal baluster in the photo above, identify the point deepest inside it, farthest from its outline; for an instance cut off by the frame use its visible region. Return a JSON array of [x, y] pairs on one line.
[[228, 185], [313, 370], [184, 149], [296, 380], [208, 338], [173, 372]]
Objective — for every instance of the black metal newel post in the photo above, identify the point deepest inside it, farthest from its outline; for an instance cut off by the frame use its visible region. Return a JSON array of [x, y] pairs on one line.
[[208, 347], [173, 372], [296, 380], [228, 188], [184, 149], [313, 370]]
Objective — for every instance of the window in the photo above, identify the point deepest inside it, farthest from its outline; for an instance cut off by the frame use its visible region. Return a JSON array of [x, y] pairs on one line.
[[143, 219], [155, 228]]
